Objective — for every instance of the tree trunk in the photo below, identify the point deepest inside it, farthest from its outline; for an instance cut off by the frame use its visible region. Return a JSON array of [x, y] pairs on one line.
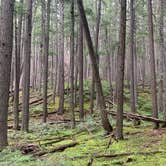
[[6, 41], [45, 29], [80, 57], [61, 60], [152, 63], [27, 55], [132, 66], [120, 71], [72, 65], [162, 83], [96, 50], [17, 70]]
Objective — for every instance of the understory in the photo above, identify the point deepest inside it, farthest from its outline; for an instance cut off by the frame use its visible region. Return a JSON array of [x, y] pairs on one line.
[[55, 143]]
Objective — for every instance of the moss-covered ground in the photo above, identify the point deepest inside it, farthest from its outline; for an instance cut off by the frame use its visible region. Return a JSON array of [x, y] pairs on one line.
[[91, 140]]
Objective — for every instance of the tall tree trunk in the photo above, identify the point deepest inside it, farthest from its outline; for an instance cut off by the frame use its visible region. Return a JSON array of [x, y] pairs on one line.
[[161, 60], [143, 64], [120, 71], [27, 55], [132, 66], [17, 70], [105, 122], [96, 50], [162, 83], [72, 65], [109, 64], [152, 63], [61, 60], [81, 61], [6, 42], [45, 29]]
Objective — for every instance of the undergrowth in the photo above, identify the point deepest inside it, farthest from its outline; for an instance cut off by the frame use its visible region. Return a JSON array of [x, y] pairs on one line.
[[90, 137]]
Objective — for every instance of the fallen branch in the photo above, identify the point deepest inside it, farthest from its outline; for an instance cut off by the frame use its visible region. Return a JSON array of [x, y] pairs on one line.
[[57, 149], [117, 155], [138, 117]]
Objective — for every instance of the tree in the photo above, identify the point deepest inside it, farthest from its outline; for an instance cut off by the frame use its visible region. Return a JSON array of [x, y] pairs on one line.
[[161, 107], [17, 66], [96, 50], [132, 66], [45, 40], [152, 63], [61, 59], [120, 71], [6, 38], [105, 122], [162, 85], [72, 64], [26, 70], [80, 66]]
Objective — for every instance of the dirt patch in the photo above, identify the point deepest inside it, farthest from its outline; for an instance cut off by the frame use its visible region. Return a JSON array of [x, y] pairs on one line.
[[155, 133]]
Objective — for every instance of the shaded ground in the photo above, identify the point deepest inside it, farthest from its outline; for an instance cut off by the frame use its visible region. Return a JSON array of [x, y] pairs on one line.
[[90, 139]]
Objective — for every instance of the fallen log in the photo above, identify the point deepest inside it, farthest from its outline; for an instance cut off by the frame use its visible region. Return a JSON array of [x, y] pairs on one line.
[[53, 141], [57, 149], [138, 117], [116, 155], [32, 102], [39, 115]]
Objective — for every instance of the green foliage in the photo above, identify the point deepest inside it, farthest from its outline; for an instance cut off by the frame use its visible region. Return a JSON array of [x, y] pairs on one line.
[[15, 158], [144, 104], [19, 8]]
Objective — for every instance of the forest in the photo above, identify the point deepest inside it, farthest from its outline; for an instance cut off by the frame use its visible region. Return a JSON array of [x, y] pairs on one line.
[[82, 82]]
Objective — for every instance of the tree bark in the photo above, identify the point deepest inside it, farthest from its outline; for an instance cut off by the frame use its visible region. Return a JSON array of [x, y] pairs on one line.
[[120, 71], [81, 61], [132, 52], [152, 63], [26, 70], [72, 64], [17, 69], [61, 60], [6, 42], [45, 29]]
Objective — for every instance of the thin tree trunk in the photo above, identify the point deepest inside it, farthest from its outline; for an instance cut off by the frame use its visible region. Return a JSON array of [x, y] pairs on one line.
[[152, 63], [45, 29], [132, 66], [81, 61], [72, 65], [161, 60], [61, 60], [27, 54], [162, 83]]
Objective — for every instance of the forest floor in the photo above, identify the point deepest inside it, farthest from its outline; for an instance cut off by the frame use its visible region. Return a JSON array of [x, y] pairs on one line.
[[86, 144]]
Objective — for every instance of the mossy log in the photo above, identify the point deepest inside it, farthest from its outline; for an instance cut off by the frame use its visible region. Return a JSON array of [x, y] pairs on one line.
[[117, 155], [57, 149], [138, 117]]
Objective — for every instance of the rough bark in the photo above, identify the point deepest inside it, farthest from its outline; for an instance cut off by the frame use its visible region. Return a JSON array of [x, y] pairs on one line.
[[152, 63], [80, 57], [17, 69], [72, 65], [26, 70], [6, 38], [61, 60], [120, 71], [132, 58], [45, 29]]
